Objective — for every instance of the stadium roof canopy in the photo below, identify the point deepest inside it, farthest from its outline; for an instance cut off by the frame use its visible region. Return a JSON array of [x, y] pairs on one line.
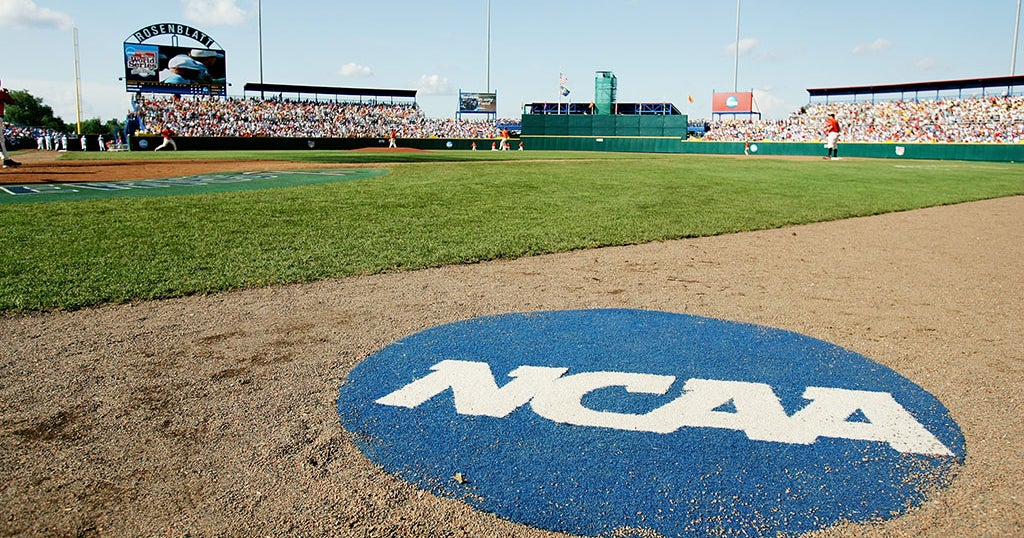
[[317, 91], [916, 88]]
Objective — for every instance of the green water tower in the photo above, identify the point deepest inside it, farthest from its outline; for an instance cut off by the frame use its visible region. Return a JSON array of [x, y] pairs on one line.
[[605, 86]]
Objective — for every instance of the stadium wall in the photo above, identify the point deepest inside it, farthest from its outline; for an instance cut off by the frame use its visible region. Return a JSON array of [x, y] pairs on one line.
[[956, 152], [147, 143], [634, 144], [667, 134]]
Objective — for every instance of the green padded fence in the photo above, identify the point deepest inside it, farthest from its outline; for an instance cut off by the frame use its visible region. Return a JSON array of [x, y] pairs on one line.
[[667, 134]]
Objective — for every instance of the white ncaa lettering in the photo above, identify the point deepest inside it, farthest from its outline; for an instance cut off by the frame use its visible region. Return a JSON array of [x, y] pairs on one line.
[[476, 392], [563, 401], [758, 411]]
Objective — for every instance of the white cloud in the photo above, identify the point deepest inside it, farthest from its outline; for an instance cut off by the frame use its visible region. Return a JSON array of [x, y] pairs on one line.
[[879, 45], [433, 85], [771, 105], [927, 64], [355, 70], [746, 45], [771, 56], [26, 14], [214, 12]]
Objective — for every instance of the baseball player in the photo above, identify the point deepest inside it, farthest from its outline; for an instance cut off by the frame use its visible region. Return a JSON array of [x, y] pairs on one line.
[[168, 135], [5, 99], [832, 137]]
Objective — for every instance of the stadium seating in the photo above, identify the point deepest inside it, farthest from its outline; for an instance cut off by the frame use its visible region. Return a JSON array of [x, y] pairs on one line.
[[993, 119]]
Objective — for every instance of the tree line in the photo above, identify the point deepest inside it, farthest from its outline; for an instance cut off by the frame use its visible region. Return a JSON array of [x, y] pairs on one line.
[[29, 111]]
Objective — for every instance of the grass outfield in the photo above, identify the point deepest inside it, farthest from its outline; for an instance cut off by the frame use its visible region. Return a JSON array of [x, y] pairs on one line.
[[438, 208]]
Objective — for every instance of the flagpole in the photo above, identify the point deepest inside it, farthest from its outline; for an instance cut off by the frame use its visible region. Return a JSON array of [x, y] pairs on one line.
[[560, 75]]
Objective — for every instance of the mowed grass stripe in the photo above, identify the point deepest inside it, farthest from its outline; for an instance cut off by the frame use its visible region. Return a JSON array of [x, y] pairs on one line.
[[72, 255]]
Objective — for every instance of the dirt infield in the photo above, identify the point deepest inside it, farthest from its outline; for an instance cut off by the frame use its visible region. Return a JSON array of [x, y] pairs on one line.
[[47, 167], [215, 415]]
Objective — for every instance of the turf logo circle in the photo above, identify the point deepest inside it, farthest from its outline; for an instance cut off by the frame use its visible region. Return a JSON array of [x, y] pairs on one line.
[[596, 422]]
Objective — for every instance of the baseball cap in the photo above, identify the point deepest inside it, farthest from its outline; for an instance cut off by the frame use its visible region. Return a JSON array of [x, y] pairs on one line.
[[184, 62], [205, 53]]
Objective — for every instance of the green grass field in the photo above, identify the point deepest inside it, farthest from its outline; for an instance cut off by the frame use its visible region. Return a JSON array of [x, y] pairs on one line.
[[438, 208]]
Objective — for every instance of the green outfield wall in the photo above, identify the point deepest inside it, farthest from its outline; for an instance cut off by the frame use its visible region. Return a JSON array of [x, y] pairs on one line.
[[959, 152], [667, 134], [615, 125], [633, 144]]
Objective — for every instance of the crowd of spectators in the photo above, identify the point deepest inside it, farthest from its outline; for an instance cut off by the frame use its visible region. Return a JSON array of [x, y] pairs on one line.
[[989, 119], [251, 117], [992, 119]]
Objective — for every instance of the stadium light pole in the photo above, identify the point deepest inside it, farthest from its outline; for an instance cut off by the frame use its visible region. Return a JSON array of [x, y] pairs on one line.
[[736, 63], [488, 46], [1016, 33], [259, 24], [78, 86]]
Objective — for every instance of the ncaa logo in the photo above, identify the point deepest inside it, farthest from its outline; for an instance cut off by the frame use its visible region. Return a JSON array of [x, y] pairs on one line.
[[732, 102], [596, 422]]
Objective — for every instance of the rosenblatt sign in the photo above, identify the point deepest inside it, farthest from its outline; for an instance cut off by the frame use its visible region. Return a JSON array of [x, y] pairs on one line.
[[176, 29]]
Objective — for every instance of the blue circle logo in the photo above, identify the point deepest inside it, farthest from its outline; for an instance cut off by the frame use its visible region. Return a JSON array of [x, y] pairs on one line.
[[598, 422], [732, 101]]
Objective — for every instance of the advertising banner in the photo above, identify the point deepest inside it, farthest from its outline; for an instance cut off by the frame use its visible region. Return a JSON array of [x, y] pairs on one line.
[[476, 102], [732, 103]]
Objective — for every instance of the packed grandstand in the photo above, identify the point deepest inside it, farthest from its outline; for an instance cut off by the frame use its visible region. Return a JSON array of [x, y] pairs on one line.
[[308, 119], [990, 119], [985, 119]]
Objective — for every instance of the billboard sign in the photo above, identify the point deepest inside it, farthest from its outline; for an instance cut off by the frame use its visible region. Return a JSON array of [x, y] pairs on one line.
[[478, 103], [732, 103]]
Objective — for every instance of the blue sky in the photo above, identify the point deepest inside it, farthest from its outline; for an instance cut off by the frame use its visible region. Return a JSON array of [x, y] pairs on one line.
[[659, 50]]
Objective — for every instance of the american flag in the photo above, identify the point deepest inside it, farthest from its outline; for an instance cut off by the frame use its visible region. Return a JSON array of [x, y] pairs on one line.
[[562, 80]]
